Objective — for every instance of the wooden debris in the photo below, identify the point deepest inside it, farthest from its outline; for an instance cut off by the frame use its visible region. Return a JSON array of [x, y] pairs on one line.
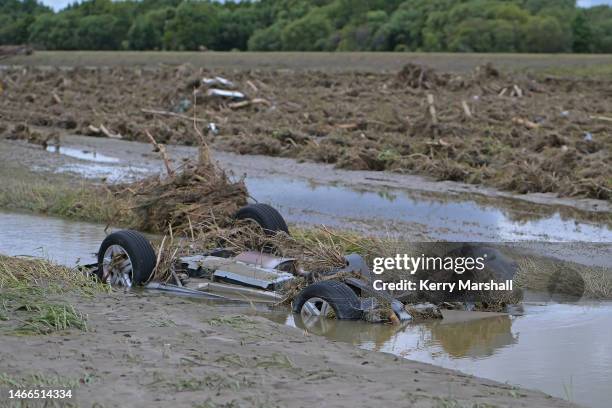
[[347, 126], [252, 85], [604, 118], [432, 109], [524, 122], [466, 109], [242, 104], [110, 134], [162, 151]]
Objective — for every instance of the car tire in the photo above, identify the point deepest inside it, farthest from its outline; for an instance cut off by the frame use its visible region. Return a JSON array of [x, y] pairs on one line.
[[338, 295], [139, 251], [266, 216]]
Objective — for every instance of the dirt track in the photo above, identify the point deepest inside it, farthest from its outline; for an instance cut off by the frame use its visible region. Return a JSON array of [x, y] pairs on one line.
[[164, 351], [510, 132]]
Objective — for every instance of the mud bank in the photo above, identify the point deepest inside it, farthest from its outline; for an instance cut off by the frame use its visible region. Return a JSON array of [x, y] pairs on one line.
[[165, 351]]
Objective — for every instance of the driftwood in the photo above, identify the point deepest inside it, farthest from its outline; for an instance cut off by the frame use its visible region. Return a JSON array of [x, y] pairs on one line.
[[432, 109], [524, 122], [604, 118], [466, 109], [162, 151], [242, 104]]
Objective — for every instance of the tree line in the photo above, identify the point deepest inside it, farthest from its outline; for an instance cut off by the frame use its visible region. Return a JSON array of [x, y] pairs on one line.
[[316, 25]]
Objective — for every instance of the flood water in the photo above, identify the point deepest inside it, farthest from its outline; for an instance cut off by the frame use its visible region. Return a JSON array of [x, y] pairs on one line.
[[62, 241], [413, 214], [561, 349], [441, 218]]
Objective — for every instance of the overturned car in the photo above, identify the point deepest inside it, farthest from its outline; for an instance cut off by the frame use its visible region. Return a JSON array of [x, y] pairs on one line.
[[126, 258]]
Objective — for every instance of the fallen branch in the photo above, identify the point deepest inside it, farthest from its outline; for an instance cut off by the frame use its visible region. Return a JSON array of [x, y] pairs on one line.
[[203, 151], [110, 134], [162, 151], [242, 104], [524, 122], [466, 109], [604, 118], [432, 109]]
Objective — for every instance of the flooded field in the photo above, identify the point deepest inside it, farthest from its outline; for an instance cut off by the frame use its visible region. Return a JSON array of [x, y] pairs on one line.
[[561, 349]]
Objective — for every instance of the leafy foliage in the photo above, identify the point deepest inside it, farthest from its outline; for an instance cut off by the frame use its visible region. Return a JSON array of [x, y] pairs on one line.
[[312, 25]]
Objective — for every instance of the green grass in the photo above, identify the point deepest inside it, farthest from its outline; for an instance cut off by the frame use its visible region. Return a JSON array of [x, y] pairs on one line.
[[56, 195], [37, 380], [33, 296]]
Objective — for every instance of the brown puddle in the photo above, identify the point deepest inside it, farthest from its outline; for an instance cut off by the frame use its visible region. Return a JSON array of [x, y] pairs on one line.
[[561, 349]]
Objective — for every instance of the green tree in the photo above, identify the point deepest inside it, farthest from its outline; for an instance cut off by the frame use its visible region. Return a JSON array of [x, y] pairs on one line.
[[147, 31], [54, 32], [98, 32], [582, 33], [308, 33], [194, 25], [267, 39], [544, 34], [235, 28]]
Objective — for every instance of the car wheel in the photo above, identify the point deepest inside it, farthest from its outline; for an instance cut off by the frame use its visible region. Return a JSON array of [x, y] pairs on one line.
[[328, 299], [126, 258], [266, 216]]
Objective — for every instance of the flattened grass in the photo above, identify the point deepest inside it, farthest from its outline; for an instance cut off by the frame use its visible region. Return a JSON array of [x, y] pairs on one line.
[[21, 189], [33, 296]]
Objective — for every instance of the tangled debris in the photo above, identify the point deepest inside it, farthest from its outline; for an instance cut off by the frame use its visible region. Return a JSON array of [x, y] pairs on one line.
[[196, 193], [512, 132]]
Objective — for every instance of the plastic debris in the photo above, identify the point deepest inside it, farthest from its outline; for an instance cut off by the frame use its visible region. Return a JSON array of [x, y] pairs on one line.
[[222, 93], [218, 81], [212, 127]]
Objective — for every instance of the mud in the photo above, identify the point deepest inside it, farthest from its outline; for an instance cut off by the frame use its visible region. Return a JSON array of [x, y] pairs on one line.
[[165, 351], [511, 132]]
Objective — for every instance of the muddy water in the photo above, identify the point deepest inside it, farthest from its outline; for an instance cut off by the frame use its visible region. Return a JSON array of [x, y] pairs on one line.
[[397, 212], [65, 242], [562, 349]]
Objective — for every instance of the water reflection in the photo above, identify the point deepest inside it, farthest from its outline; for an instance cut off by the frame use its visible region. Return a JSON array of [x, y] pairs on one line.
[[442, 217], [82, 154], [551, 346]]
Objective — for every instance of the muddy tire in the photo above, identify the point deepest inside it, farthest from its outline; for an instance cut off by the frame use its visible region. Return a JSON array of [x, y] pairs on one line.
[[126, 258], [312, 300], [266, 216]]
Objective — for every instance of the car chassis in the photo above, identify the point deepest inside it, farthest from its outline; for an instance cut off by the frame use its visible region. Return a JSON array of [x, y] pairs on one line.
[[126, 259]]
